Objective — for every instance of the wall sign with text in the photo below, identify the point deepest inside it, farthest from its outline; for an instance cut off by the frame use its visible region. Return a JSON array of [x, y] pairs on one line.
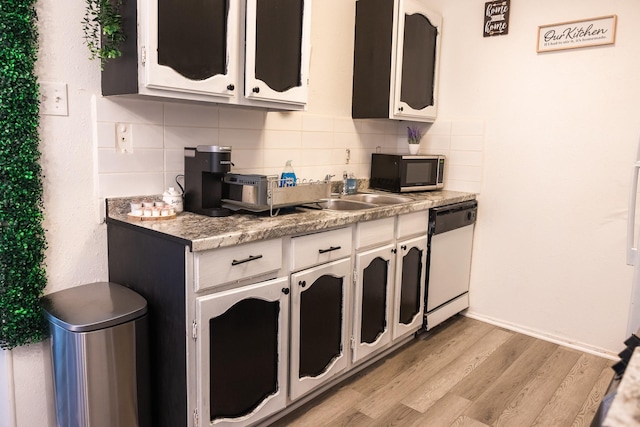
[[496, 18], [576, 34]]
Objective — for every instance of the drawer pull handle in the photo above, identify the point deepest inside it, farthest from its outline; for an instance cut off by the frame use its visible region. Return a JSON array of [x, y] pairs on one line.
[[332, 248], [242, 261]]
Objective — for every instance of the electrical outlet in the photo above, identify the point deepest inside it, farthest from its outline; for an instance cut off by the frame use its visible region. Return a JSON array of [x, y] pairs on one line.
[[124, 138], [53, 99]]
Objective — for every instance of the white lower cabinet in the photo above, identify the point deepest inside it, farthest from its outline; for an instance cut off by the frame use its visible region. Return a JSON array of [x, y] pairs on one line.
[[248, 331], [261, 347], [373, 301], [411, 270], [242, 353], [318, 325]]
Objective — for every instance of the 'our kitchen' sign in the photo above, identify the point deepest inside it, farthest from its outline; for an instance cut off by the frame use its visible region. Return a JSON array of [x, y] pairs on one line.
[[496, 18], [575, 34]]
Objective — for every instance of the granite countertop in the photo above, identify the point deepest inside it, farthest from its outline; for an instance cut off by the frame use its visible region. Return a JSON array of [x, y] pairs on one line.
[[625, 408], [204, 233]]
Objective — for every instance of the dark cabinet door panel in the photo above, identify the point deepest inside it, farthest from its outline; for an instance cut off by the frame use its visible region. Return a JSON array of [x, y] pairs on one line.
[[279, 43], [200, 52], [418, 62], [321, 311], [244, 357], [374, 300], [410, 285]]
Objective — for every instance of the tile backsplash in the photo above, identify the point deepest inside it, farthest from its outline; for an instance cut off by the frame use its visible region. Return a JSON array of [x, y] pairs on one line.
[[262, 141]]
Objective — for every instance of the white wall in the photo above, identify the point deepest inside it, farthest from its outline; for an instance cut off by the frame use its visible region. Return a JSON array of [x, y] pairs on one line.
[[561, 134], [547, 138]]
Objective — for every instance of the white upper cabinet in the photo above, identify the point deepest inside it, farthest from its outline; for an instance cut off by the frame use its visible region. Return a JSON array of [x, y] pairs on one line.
[[396, 60], [277, 50], [416, 68], [253, 53], [191, 47]]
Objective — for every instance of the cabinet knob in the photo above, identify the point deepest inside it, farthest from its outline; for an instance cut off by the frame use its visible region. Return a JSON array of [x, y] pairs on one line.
[[256, 89], [230, 87], [303, 283], [403, 247], [401, 109], [285, 291], [394, 251]]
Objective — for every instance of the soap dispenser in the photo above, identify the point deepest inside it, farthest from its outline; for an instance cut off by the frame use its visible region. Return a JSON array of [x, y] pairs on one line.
[[349, 183], [288, 176], [352, 184]]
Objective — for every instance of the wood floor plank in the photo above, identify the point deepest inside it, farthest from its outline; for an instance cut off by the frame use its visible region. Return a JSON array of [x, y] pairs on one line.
[[591, 403], [565, 403], [406, 381], [398, 416], [428, 392], [443, 412], [464, 421], [457, 330], [474, 384], [488, 407], [527, 404], [524, 381], [324, 410], [352, 418]]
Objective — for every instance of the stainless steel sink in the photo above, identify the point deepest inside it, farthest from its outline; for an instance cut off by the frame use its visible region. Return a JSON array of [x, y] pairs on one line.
[[343, 205], [378, 199], [354, 202]]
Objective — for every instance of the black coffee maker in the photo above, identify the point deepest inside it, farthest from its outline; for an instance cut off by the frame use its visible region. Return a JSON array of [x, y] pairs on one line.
[[204, 170]]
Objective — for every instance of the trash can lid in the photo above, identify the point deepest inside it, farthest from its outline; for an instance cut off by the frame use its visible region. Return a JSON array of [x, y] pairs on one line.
[[93, 306]]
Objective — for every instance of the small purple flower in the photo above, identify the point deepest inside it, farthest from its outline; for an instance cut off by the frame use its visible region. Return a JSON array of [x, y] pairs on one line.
[[414, 135]]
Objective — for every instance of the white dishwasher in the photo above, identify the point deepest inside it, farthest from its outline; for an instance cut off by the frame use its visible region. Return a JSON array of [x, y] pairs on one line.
[[450, 242]]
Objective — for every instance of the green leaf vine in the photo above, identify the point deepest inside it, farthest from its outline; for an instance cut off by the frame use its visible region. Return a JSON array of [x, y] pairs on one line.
[[22, 237], [103, 29]]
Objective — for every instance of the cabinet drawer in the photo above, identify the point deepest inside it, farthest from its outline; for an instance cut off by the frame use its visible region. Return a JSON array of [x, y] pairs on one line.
[[412, 224], [220, 266], [376, 232], [319, 248]]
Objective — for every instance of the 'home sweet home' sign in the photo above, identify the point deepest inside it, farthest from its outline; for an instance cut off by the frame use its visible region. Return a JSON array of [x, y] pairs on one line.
[[496, 18]]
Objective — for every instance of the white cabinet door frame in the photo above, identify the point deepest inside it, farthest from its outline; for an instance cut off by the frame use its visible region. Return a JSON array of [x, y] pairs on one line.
[[214, 305], [399, 109], [158, 76], [362, 261], [340, 269], [401, 329], [296, 95]]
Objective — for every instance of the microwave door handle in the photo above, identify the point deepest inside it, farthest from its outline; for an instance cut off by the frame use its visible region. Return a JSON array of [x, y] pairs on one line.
[[631, 219]]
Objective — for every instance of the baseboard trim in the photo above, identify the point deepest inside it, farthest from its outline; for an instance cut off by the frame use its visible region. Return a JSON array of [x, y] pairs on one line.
[[596, 351]]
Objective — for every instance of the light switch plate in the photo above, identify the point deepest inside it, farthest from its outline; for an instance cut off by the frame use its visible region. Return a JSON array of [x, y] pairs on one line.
[[53, 99]]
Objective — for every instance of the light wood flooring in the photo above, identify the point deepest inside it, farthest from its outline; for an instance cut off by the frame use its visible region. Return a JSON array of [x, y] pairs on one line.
[[467, 373]]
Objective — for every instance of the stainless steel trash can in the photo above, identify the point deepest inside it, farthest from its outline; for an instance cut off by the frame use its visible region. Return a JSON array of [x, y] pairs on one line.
[[100, 353]]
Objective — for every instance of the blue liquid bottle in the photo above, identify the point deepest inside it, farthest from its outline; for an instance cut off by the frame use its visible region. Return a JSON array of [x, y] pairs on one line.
[[288, 176]]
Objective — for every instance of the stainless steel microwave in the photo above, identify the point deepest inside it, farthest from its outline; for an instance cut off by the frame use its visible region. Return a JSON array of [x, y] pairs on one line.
[[400, 174]]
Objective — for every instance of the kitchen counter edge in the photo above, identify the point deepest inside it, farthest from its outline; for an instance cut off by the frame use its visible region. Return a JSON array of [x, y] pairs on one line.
[[204, 233]]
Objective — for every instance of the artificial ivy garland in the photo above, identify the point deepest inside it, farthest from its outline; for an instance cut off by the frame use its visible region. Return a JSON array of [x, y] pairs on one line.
[[103, 29], [22, 239]]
